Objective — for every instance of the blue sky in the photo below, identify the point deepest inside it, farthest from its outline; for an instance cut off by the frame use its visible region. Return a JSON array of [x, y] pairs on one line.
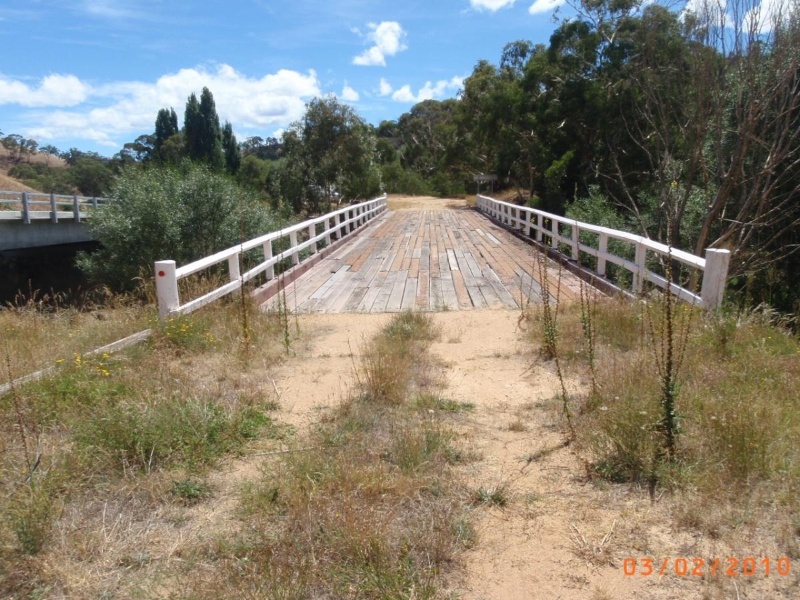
[[92, 74]]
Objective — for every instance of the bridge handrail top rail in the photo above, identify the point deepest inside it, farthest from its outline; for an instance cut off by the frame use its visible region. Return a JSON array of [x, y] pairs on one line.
[[681, 255], [223, 255], [47, 195]]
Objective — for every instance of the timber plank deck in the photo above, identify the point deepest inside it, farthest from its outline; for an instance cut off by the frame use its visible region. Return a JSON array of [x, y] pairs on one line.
[[427, 260]]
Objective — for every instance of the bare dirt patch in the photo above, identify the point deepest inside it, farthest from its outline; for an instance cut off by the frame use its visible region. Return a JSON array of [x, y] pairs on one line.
[[399, 202]]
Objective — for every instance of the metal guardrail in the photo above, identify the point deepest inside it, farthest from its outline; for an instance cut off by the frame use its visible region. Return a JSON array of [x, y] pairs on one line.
[[55, 207], [337, 224], [554, 230]]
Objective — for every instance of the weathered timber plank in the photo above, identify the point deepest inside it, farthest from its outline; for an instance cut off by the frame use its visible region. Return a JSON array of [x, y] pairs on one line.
[[395, 302], [410, 294]]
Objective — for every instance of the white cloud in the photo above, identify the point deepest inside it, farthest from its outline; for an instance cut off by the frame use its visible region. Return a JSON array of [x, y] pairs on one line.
[[491, 5], [767, 15], [349, 94], [543, 6], [54, 90], [388, 38], [123, 109], [429, 91], [385, 87], [713, 11]]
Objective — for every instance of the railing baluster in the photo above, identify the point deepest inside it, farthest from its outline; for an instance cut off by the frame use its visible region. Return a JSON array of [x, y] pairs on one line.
[[53, 208], [76, 208], [26, 209], [639, 275], [312, 233], [233, 268], [293, 244], [270, 272], [602, 250]]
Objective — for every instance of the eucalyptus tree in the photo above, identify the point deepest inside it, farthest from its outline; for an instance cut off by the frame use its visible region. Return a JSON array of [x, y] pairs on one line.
[[330, 151]]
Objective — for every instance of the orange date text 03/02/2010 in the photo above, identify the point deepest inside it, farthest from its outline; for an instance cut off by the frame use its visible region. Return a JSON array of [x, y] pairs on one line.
[[729, 566]]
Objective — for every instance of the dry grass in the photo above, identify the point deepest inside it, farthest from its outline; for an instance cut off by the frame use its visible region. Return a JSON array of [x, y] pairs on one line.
[[108, 484], [97, 460], [737, 466], [41, 330], [367, 507]]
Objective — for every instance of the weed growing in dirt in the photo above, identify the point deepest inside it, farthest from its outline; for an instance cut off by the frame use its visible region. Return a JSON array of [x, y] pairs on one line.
[[367, 507], [736, 414]]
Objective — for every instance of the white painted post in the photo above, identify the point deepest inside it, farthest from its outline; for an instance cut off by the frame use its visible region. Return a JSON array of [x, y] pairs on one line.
[[312, 232], [233, 267], [638, 276], [602, 250], [53, 208], [539, 227], [166, 288], [293, 244], [327, 231], [554, 232], [715, 275], [270, 272], [26, 209], [527, 226], [76, 208]]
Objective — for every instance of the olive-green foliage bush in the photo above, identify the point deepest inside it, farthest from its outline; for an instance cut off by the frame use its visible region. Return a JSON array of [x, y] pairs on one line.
[[161, 213]]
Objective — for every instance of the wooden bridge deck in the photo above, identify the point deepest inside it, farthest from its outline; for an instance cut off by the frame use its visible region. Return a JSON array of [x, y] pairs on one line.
[[426, 260]]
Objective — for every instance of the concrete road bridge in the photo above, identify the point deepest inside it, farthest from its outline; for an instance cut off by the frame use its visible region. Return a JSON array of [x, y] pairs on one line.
[[34, 220]]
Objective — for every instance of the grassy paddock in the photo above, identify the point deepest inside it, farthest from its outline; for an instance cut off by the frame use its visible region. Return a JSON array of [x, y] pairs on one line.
[[738, 461]]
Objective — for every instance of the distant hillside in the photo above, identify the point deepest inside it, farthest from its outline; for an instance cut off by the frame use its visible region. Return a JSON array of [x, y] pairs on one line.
[[6, 162]]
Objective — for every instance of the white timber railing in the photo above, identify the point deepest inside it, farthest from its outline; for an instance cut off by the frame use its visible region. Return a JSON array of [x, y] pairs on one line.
[[34, 206], [335, 225], [556, 231]]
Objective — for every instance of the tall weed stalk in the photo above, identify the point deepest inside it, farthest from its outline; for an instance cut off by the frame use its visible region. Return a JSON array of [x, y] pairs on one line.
[[550, 333], [668, 330]]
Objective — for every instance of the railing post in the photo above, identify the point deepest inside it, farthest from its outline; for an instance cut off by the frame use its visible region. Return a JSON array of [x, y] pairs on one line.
[[639, 275], [76, 208], [715, 276], [602, 250], [26, 209], [575, 241], [270, 272], [166, 288], [539, 227], [53, 208], [233, 267], [293, 244], [327, 231], [94, 202], [312, 233], [554, 234], [527, 226]]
